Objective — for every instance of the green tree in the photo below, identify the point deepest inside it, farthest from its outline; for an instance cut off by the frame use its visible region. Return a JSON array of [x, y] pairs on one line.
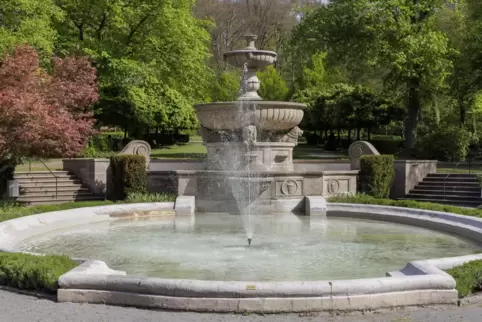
[[150, 56], [396, 37], [225, 86], [273, 85], [28, 22]]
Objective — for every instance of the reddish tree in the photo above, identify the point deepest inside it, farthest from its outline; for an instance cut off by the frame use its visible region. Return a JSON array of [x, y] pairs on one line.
[[41, 114]]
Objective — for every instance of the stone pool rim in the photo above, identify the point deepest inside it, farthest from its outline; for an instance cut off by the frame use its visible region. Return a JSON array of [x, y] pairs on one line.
[[421, 282]]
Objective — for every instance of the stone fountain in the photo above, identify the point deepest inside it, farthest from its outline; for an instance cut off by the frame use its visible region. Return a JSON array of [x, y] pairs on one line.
[[250, 132], [250, 151]]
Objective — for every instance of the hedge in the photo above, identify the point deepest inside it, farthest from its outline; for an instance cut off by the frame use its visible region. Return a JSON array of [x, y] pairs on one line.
[[376, 175], [32, 272], [468, 277], [129, 175]]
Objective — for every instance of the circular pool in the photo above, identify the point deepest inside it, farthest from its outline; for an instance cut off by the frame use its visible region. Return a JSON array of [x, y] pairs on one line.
[[285, 247]]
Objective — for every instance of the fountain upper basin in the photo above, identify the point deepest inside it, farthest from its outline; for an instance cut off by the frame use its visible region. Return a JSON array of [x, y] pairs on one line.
[[266, 115], [255, 59]]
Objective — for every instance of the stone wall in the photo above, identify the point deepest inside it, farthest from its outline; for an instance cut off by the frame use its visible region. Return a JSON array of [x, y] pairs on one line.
[[408, 173], [95, 173]]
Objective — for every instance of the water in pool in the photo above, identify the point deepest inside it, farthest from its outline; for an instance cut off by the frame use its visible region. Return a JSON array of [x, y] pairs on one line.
[[285, 247]]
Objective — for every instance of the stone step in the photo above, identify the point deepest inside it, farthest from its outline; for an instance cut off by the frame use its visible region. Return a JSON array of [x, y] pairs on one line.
[[451, 179], [463, 203], [54, 194], [36, 189], [46, 178], [47, 182], [59, 200], [34, 174], [437, 187], [442, 197], [439, 192], [449, 184], [451, 175], [70, 184]]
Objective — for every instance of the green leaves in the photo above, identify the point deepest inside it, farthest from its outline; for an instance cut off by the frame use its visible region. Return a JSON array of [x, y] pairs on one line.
[[28, 22], [395, 40], [273, 86], [151, 58]]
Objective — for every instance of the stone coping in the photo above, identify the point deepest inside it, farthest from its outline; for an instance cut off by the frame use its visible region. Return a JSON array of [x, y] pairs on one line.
[[420, 282], [260, 173], [15, 230]]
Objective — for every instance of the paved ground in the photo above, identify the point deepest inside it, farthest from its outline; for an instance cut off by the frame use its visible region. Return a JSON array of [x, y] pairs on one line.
[[23, 308]]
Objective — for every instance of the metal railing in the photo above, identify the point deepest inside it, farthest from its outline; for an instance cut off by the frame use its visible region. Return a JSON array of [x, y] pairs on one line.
[[466, 165], [53, 174]]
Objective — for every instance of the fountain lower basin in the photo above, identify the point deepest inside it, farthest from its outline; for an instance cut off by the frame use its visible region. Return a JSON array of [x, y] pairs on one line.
[[285, 247], [420, 282]]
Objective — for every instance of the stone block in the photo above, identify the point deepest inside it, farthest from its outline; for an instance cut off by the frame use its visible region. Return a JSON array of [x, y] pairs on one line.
[[185, 205], [315, 206]]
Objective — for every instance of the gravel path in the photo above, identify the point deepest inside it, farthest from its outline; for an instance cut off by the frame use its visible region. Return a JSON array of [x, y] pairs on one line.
[[23, 308]]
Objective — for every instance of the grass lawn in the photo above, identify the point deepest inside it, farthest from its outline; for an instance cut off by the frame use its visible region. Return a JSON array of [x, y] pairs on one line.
[[192, 150], [198, 150], [185, 151], [35, 166]]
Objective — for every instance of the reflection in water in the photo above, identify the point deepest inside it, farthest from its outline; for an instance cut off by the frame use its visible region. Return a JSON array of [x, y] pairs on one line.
[[285, 247]]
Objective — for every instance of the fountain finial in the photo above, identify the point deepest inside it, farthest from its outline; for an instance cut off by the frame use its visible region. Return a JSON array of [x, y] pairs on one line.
[[250, 40], [250, 60]]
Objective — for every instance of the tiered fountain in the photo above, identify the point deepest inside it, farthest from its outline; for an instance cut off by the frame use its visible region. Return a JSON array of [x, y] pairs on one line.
[[261, 133], [250, 138], [250, 151]]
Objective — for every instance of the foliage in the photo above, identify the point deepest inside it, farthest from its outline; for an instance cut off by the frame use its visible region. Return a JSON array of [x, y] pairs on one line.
[[101, 146], [32, 272], [397, 39], [29, 22], [444, 143], [129, 175], [343, 106], [468, 277], [43, 115], [135, 197], [150, 56], [225, 86], [387, 146], [370, 200], [273, 86], [376, 175]]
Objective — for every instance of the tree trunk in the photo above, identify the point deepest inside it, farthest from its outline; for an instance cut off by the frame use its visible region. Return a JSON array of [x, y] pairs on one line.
[[358, 130], [368, 134], [413, 108], [463, 111]]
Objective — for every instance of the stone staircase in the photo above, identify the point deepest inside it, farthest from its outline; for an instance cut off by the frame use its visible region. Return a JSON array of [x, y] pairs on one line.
[[40, 188], [453, 189]]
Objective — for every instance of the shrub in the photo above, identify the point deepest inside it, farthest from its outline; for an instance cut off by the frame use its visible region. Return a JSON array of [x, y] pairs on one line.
[[444, 143], [376, 175], [468, 277], [10, 210], [369, 200], [101, 146], [150, 197], [32, 272], [129, 175]]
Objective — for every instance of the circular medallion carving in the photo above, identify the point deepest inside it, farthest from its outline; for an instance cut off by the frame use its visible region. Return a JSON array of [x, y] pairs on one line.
[[333, 186], [290, 187]]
